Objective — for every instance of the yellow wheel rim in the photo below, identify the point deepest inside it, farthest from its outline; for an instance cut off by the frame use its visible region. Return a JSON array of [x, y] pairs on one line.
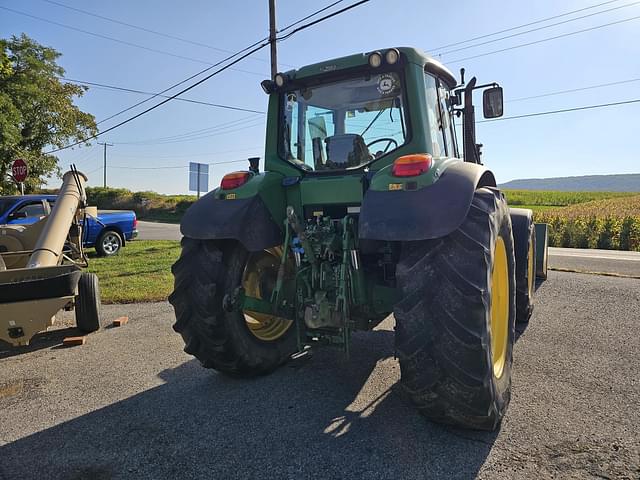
[[259, 281], [532, 268], [499, 319]]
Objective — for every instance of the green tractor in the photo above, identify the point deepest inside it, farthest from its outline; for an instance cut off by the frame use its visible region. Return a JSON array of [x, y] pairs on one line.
[[366, 208]]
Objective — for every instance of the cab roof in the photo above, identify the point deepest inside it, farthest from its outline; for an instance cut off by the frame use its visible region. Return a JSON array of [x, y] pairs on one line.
[[409, 54]]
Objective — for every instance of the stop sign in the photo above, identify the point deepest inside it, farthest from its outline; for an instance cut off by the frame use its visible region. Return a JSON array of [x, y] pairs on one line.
[[19, 170]]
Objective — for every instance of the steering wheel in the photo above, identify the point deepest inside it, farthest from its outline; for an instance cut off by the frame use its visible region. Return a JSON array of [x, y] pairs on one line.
[[384, 139]]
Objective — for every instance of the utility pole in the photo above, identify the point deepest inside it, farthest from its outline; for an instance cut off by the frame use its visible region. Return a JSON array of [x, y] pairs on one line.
[[105, 162], [272, 38]]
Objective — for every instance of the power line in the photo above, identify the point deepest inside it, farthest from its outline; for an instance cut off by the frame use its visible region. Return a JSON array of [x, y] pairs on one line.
[[199, 137], [580, 89], [93, 171], [311, 24], [193, 155], [317, 12], [537, 29], [219, 126], [198, 73], [117, 40], [148, 30], [545, 39], [510, 29], [167, 167], [228, 127], [564, 110], [181, 82], [166, 100], [245, 55], [131, 90]]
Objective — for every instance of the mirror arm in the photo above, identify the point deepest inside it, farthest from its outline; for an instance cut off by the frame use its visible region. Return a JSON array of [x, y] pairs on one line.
[[471, 153], [486, 85]]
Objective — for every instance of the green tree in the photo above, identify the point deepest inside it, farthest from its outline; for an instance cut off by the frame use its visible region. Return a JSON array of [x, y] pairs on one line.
[[36, 111]]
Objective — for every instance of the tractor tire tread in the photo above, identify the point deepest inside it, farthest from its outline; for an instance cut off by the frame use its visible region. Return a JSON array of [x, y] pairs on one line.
[[442, 341]]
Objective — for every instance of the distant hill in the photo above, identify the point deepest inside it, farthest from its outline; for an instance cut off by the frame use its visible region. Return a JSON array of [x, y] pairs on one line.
[[629, 182]]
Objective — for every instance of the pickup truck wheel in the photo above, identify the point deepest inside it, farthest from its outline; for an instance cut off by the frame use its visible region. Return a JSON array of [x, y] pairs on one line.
[[88, 303], [455, 322], [109, 243]]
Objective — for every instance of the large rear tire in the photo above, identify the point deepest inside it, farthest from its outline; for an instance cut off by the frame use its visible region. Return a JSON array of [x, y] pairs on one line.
[[455, 322], [207, 275], [524, 238]]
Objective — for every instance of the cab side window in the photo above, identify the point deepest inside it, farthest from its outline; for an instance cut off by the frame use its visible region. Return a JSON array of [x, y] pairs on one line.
[[447, 119], [438, 146]]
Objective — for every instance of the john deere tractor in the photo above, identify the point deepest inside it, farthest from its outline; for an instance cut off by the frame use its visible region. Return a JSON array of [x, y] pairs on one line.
[[366, 208]]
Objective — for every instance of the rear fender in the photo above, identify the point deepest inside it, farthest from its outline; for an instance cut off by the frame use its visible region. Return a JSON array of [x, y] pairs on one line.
[[429, 212], [245, 214]]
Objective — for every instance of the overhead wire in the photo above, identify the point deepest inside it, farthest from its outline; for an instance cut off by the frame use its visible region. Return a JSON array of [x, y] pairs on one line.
[[149, 30], [315, 22], [564, 110], [510, 29], [194, 136], [513, 35], [249, 50], [142, 92], [125, 167], [166, 100], [317, 12], [192, 132], [201, 72], [542, 40], [117, 40], [191, 155], [182, 82], [572, 90]]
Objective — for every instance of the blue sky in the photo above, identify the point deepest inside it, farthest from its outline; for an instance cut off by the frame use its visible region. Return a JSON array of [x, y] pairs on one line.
[[595, 141]]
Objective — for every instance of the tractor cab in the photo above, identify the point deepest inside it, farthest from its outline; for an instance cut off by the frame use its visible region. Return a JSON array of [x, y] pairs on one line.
[[353, 114]]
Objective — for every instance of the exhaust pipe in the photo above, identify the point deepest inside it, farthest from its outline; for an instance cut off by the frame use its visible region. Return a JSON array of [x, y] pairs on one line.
[[48, 248]]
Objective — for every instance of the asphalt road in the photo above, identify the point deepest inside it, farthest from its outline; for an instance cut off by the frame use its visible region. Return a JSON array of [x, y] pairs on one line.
[[158, 231], [131, 405], [604, 261]]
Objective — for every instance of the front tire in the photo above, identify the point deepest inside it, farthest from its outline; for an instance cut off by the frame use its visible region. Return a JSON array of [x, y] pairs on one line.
[[455, 322], [207, 275], [524, 239]]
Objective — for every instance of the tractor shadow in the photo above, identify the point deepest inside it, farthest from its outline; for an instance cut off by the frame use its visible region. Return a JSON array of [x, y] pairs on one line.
[[324, 417]]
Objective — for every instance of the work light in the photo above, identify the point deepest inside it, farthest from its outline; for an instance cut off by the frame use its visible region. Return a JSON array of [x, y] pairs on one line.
[[279, 79], [392, 56], [375, 59]]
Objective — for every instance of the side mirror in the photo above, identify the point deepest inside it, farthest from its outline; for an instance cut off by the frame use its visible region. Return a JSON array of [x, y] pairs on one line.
[[492, 102]]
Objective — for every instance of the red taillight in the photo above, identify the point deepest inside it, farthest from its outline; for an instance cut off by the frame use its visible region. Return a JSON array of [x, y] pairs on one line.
[[234, 180], [411, 165]]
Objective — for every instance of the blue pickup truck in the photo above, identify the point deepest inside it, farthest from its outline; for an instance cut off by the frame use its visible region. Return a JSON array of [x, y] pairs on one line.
[[107, 234]]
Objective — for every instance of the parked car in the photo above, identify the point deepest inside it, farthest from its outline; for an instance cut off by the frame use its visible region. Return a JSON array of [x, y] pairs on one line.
[[107, 234]]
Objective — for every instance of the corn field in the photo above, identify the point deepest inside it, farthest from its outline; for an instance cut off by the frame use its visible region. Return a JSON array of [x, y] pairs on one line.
[[612, 224]]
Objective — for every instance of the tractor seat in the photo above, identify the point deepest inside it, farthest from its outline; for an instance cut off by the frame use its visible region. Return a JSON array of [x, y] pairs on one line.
[[345, 151]]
